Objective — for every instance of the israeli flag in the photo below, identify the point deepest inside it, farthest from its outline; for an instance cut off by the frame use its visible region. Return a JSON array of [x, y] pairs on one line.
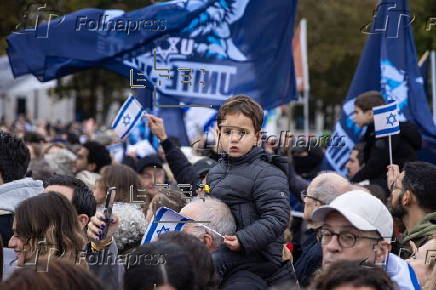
[[386, 120], [127, 118], [165, 220]]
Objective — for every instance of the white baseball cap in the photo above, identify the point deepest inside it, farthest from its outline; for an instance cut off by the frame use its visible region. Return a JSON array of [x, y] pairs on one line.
[[363, 210]]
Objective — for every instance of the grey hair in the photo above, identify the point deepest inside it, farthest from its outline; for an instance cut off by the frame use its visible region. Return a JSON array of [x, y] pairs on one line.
[[328, 185], [218, 215]]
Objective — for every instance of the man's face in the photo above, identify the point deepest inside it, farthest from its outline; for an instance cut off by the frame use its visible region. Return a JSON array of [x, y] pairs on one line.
[[151, 176], [310, 204], [237, 135], [82, 161], [396, 206], [364, 249], [362, 118], [99, 192], [353, 164]]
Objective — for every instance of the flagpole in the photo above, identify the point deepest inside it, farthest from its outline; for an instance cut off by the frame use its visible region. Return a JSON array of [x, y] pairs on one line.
[[303, 41], [433, 82], [390, 150]]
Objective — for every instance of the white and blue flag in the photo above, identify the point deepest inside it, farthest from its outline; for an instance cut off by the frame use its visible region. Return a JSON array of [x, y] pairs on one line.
[[165, 220], [386, 120], [127, 118]]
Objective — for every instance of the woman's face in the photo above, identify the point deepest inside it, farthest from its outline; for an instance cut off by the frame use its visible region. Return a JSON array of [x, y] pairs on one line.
[[99, 192], [18, 244]]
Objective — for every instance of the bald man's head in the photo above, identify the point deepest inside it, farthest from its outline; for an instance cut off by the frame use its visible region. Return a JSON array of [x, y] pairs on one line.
[[327, 186], [322, 190]]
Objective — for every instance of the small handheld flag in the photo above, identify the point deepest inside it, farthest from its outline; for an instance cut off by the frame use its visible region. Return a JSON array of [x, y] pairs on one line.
[[386, 120], [127, 117], [165, 220], [387, 123]]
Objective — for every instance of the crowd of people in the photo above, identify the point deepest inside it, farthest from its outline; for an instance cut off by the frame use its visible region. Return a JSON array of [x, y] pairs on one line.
[[73, 212]]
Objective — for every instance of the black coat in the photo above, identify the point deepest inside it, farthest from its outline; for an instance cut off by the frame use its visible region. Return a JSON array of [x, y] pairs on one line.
[[180, 166], [310, 260], [257, 193], [376, 151]]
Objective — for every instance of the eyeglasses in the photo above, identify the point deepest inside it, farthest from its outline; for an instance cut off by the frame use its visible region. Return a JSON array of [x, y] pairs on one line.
[[303, 195], [227, 130], [345, 239]]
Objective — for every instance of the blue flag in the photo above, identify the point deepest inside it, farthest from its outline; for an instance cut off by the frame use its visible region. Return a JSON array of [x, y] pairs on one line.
[[205, 51], [388, 64], [190, 52]]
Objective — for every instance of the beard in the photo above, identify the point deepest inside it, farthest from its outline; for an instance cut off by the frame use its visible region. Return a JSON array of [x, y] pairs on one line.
[[397, 209]]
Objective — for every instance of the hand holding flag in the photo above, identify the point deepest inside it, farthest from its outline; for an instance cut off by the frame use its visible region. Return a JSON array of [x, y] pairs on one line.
[[156, 125]]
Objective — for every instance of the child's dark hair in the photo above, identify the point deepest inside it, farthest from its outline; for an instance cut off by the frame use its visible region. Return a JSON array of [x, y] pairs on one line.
[[368, 100], [245, 105]]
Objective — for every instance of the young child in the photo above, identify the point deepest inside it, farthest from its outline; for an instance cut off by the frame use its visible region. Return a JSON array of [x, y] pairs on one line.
[[256, 191]]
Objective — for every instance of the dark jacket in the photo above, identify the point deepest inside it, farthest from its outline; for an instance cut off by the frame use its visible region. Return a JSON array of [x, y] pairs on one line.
[[234, 269], [181, 168], [257, 193], [310, 260], [376, 151], [296, 183]]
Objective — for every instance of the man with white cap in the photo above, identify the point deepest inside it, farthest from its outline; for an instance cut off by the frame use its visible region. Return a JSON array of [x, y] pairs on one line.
[[358, 226]]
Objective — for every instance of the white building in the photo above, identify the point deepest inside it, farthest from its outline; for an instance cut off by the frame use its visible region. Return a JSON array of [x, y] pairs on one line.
[[26, 95]]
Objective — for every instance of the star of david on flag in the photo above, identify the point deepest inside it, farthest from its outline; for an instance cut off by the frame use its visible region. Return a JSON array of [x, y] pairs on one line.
[[386, 120], [165, 220], [127, 118]]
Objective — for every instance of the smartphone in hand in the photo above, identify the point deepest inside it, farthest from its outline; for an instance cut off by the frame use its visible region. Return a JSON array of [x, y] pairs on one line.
[[109, 202]]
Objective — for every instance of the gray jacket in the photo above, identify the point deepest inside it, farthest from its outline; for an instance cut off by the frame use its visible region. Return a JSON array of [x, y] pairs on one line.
[[14, 192], [11, 194], [257, 193]]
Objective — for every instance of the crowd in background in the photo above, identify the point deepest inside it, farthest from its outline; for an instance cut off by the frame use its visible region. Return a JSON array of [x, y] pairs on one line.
[[375, 228]]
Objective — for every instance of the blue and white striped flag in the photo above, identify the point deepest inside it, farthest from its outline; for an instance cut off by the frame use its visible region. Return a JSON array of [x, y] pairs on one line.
[[128, 116], [165, 220], [386, 120]]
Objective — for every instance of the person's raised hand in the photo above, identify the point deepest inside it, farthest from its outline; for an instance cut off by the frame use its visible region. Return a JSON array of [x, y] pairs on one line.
[[98, 224], [392, 175], [232, 243], [156, 125]]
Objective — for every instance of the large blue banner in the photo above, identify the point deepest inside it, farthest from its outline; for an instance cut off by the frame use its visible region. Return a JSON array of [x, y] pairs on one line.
[[388, 64], [194, 51]]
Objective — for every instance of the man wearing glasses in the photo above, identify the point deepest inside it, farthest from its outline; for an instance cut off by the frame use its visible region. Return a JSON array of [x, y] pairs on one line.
[[321, 191], [358, 226]]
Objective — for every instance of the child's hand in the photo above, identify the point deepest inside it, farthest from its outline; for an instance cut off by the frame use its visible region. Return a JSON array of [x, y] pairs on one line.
[[232, 243]]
